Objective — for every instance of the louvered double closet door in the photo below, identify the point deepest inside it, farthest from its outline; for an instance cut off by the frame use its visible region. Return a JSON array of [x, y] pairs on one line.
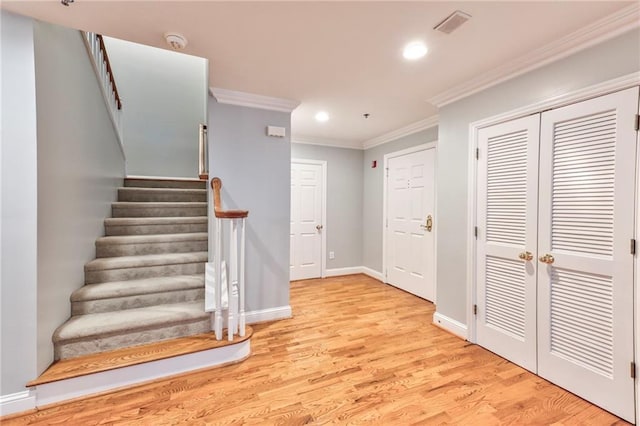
[[556, 196]]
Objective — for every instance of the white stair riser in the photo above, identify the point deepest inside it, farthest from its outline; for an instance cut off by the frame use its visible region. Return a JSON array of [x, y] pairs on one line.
[[114, 250], [179, 228], [158, 195], [143, 211], [138, 301], [135, 273], [104, 343], [183, 184]]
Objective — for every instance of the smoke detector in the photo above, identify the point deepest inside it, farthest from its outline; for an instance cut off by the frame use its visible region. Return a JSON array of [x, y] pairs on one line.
[[176, 41], [452, 22]]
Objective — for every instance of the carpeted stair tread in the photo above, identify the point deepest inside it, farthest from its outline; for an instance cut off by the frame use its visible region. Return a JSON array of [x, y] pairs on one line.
[[158, 209], [137, 245], [155, 225], [137, 287], [161, 194], [122, 262], [153, 238], [158, 204], [151, 182], [169, 220], [147, 282], [107, 324]]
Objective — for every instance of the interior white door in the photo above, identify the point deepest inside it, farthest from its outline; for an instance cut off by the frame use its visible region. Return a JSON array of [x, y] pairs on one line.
[[306, 221], [410, 251], [586, 220], [507, 200]]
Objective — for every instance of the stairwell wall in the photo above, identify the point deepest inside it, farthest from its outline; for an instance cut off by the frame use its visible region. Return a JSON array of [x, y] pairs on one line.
[[18, 207], [256, 175], [164, 94], [80, 166]]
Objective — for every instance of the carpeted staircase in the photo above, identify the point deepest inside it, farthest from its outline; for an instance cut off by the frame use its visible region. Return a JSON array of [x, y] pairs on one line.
[[147, 283]]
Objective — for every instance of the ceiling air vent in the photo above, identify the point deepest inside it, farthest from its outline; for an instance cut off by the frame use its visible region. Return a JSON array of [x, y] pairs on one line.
[[452, 22]]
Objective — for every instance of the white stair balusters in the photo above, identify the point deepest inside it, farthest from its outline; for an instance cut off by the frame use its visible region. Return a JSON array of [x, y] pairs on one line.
[[231, 255], [102, 67], [217, 262]]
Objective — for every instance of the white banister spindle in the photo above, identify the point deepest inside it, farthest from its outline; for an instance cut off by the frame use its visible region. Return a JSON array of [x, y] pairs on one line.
[[234, 250], [233, 275], [106, 82], [218, 280], [242, 319]]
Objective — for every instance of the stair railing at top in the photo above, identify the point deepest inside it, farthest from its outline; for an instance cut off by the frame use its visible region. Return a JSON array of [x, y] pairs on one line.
[[236, 320], [104, 72], [203, 170]]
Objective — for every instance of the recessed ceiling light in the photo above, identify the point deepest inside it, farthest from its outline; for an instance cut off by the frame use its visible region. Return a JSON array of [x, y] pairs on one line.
[[322, 116], [415, 50]]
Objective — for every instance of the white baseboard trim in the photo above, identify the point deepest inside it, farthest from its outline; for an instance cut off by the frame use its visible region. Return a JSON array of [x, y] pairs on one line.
[[373, 273], [17, 402], [50, 393], [450, 325], [354, 270], [336, 272], [270, 314]]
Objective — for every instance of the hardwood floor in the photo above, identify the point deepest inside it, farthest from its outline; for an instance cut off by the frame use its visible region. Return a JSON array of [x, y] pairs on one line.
[[356, 351], [124, 357]]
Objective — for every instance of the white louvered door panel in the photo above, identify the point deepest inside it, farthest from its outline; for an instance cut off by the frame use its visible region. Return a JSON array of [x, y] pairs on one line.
[[507, 221], [586, 218]]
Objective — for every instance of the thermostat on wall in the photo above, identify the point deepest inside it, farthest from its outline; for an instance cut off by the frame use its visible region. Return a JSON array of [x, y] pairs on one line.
[[278, 132]]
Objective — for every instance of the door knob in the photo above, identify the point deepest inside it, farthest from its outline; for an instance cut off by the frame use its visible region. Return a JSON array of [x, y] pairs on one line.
[[526, 255], [319, 227], [429, 224], [547, 258]]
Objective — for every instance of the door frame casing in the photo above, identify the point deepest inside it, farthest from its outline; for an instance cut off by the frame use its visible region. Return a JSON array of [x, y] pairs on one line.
[[607, 87], [387, 157], [323, 235]]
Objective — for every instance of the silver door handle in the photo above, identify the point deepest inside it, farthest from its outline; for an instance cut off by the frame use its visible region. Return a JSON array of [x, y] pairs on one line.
[[319, 227]]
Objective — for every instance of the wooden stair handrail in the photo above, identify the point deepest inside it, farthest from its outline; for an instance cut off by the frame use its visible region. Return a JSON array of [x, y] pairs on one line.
[[216, 185], [103, 48]]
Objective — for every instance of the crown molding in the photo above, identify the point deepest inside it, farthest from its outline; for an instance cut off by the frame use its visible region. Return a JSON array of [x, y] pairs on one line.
[[563, 99], [232, 97], [335, 143], [410, 129], [613, 25]]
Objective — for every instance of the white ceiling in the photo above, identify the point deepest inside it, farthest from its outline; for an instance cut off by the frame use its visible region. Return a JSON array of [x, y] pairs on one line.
[[341, 57]]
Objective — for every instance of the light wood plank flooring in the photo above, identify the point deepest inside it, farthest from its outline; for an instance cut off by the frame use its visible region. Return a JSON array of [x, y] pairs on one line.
[[356, 351], [125, 357]]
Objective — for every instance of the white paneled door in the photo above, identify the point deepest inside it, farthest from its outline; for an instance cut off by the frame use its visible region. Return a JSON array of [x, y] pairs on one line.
[[306, 221], [556, 197], [507, 217], [585, 286], [410, 214]]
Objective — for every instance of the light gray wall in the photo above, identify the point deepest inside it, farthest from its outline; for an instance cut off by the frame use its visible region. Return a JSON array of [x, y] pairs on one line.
[[256, 175], [373, 193], [80, 165], [164, 96], [602, 62], [18, 205], [344, 201]]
